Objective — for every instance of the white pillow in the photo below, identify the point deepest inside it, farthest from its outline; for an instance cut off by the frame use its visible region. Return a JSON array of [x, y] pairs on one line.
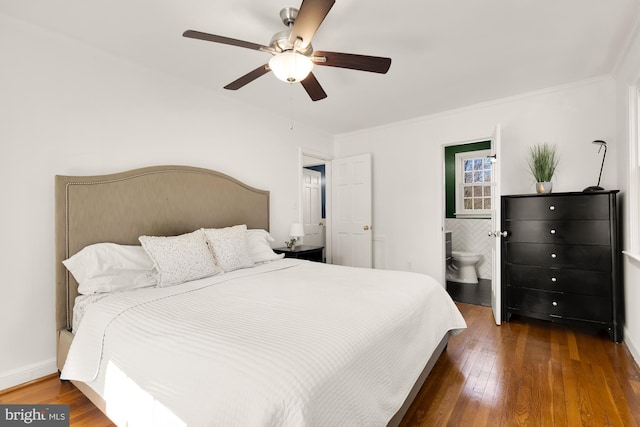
[[180, 259], [229, 246], [259, 242], [106, 267]]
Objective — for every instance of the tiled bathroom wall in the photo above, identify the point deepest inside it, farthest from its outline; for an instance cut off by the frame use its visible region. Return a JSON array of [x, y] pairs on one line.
[[472, 235]]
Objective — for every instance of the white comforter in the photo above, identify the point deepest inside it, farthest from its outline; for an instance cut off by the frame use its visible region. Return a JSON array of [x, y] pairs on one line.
[[290, 343]]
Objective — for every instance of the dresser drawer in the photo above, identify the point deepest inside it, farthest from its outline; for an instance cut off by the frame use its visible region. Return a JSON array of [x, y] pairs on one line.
[[557, 207], [551, 304], [580, 232], [579, 257], [559, 280]]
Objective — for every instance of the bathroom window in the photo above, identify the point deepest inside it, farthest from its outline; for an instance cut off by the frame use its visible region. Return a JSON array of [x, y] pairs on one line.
[[473, 189]]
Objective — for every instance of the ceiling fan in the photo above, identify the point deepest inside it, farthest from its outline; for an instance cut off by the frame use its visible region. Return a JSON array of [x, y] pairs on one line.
[[292, 54]]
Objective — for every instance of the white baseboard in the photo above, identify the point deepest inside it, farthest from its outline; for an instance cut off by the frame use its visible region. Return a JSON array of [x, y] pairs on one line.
[[632, 346], [27, 373], [379, 252]]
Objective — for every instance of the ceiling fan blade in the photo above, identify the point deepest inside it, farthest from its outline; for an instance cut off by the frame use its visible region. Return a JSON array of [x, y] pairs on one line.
[[224, 40], [248, 78], [313, 88], [310, 16], [374, 64]]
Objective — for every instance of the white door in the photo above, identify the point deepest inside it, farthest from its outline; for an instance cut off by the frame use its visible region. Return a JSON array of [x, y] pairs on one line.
[[312, 207], [496, 281], [351, 237]]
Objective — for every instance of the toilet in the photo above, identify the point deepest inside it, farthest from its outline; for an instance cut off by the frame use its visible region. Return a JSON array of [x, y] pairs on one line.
[[464, 267]]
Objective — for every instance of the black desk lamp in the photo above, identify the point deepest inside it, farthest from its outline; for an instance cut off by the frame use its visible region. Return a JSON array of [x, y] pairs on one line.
[[597, 187]]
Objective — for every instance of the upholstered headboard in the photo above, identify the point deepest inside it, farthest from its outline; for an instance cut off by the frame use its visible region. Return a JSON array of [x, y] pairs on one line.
[[157, 201]]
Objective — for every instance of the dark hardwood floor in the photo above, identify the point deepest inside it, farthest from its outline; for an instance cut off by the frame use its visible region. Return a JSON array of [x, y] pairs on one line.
[[528, 373], [522, 373]]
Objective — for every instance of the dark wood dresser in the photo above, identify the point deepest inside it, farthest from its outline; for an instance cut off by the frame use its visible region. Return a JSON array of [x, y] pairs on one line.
[[561, 259]]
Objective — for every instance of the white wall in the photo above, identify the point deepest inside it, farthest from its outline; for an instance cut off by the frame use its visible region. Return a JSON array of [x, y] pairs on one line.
[[69, 109], [66, 108], [408, 206], [628, 176]]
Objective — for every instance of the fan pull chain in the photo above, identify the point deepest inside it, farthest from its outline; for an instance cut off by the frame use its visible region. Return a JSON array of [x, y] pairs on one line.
[[291, 106]]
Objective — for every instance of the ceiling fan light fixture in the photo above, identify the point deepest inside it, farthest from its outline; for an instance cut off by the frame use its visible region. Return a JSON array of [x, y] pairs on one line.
[[291, 66]]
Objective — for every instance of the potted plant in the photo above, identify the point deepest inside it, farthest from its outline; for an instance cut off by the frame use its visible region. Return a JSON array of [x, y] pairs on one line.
[[542, 161]]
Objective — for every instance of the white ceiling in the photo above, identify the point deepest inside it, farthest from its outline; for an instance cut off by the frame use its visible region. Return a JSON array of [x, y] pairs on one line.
[[446, 53]]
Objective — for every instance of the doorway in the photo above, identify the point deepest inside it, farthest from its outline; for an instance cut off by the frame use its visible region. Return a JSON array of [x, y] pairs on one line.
[[347, 222], [467, 222], [474, 187], [315, 199], [314, 204]]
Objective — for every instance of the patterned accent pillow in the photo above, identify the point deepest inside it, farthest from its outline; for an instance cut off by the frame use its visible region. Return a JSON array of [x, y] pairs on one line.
[[180, 259], [229, 246]]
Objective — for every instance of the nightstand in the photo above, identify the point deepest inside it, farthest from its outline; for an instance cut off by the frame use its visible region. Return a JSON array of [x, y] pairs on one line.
[[311, 253]]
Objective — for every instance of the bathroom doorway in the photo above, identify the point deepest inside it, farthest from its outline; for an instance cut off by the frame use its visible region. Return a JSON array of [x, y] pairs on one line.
[[470, 172]]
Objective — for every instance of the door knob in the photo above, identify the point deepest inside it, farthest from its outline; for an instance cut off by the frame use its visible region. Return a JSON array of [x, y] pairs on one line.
[[499, 234], [365, 228]]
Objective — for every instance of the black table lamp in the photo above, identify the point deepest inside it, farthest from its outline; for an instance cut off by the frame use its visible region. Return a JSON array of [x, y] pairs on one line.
[[597, 187]]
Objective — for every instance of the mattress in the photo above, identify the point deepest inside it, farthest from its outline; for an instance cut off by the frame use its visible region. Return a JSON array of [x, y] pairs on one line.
[[289, 343]]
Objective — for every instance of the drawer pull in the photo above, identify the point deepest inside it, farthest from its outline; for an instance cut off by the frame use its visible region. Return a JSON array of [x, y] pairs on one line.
[[554, 256], [553, 231], [554, 280], [555, 304], [552, 208]]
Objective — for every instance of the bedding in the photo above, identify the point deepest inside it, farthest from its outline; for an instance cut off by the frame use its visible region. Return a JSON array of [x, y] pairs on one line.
[[287, 343], [229, 247], [180, 259], [259, 243], [81, 304], [106, 267]]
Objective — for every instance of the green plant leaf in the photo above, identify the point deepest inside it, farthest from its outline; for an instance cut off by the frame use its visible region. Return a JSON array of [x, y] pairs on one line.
[[542, 161]]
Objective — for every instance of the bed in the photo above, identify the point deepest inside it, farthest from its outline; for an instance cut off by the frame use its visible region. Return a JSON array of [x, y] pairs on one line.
[[280, 342]]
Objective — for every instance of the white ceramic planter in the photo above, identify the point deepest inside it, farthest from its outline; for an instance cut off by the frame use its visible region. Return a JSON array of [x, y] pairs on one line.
[[544, 187]]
